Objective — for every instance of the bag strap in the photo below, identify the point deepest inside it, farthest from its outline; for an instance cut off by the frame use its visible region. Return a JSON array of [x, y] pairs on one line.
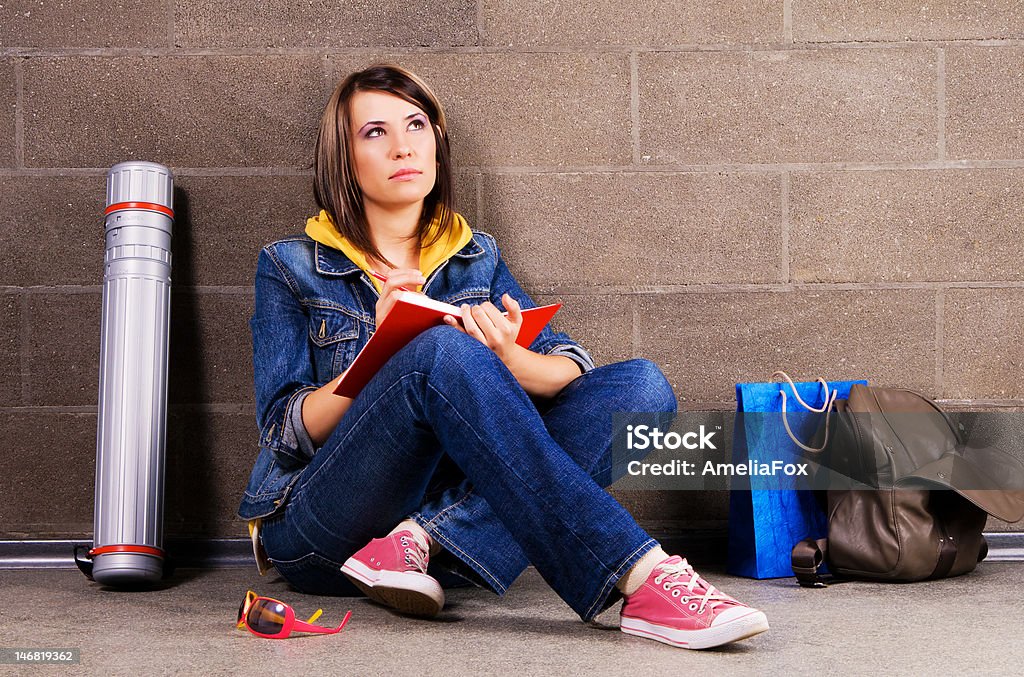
[[826, 408], [806, 559], [947, 556]]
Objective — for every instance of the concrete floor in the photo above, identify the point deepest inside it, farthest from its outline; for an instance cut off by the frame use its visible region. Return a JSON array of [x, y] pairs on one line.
[[968, 625]]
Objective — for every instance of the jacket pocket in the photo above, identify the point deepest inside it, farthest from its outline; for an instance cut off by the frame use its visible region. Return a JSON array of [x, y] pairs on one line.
[[334, 336]]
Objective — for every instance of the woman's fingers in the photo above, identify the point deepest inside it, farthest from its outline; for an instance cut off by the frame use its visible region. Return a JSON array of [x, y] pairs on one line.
[[484, 314], [396, 279], [515, 313], [453, 321], [403, 277], [490, 326], [469, 323]]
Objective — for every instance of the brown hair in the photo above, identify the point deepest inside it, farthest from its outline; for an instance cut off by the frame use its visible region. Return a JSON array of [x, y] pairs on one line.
[[335, 187]]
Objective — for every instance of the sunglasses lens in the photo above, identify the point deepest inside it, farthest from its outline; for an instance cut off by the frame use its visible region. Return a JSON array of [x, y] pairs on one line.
[[266, 616]]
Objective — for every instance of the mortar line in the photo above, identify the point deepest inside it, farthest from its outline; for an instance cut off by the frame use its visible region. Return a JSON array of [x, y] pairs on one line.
[[249, 407], [940, 95], [634, 104], [930, 165], [479, 24], [737, 168], [25, 340], [785, 272], [71, 289], [753, 288], [19, 113], [979, 402], [940, 338], [501, 49], [178, 171], [635, 329], [171, 19], [325, 83], [604, 289], [711, 406], [754, 167], [480, 201], [51, 409], [205, 407], [787, 22]]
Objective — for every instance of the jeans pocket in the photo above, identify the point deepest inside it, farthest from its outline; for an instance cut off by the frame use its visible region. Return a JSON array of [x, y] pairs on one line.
[[315, 575]]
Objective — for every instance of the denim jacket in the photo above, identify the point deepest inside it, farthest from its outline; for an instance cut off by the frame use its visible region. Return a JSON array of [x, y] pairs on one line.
[[315, 309]]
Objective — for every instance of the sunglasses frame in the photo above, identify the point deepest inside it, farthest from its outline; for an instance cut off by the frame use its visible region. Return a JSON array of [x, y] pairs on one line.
[[291, 623]]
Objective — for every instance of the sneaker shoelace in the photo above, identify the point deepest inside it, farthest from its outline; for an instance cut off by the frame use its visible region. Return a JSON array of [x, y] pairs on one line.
[[415, 556], [673, 572]]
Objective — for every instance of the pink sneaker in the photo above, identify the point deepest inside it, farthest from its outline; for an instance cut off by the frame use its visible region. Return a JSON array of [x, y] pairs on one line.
[[678, 607], [393, 571]]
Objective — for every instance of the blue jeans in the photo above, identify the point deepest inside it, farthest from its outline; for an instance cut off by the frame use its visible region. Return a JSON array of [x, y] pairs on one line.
[[444, 434]]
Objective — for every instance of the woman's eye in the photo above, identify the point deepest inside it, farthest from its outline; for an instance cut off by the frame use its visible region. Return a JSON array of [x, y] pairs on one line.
[[419, 124]]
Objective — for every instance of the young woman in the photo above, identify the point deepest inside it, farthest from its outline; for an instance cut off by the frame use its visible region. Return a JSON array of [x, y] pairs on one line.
[[465, 453]]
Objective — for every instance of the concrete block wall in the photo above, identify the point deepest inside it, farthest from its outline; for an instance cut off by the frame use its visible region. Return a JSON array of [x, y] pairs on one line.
[[724, 187]]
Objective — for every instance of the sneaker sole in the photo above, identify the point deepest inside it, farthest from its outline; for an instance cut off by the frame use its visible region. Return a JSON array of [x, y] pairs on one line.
[[411, 593], [740, 628]]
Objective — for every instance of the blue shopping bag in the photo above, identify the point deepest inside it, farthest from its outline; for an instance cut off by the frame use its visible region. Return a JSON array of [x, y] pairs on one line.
[[768, 515]]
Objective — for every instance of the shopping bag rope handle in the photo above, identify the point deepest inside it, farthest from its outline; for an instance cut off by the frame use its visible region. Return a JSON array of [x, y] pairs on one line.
[[792, 385], [826, 408]]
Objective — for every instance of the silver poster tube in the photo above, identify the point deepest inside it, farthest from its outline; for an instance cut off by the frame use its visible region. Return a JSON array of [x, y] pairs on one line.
[[132, 425]]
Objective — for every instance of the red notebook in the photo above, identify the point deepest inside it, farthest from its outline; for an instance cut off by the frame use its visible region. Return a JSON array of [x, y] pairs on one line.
[[412, 314]]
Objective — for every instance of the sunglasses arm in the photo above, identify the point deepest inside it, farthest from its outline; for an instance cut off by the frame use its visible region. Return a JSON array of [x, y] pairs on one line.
[[309, 627]]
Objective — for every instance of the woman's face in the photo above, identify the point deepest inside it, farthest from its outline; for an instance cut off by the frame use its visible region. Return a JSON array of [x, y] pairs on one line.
[[390, 135]]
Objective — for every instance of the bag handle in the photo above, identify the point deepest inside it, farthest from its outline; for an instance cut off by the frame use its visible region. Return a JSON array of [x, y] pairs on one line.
[[806, 559], [826, 408]]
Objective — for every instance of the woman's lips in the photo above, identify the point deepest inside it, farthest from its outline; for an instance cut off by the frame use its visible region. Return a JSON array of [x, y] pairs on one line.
[[405, 176]]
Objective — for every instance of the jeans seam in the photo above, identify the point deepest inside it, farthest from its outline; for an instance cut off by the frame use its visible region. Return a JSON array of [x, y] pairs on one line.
[[523, 482], [439, 536], [433, 520], [608, 583]]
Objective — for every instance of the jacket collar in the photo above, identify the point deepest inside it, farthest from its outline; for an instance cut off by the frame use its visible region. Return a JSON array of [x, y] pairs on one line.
[[330, 261]]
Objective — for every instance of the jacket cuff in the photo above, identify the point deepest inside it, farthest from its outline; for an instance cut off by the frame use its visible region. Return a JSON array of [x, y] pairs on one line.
[[295, 435], [575, 353]]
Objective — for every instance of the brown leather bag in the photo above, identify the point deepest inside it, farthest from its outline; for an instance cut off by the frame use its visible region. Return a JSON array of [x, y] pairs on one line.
[[917, 504]]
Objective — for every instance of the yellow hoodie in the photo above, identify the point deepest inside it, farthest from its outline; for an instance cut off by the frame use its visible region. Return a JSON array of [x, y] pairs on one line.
[[321, 229]]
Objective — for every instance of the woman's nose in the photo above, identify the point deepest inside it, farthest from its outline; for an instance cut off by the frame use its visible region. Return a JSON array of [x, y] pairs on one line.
[[401, 147]]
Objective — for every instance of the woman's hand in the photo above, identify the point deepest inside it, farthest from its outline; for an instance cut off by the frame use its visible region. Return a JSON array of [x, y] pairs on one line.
[[488, 325], [409, 278], [540, 375]]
